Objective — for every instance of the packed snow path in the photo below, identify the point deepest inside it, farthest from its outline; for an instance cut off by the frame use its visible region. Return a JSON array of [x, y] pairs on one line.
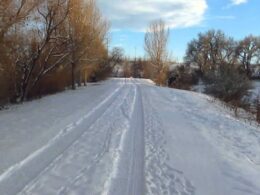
[[127, 137]]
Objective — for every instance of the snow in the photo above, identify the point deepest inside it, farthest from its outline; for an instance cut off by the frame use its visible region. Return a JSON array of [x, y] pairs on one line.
[[127, 136], [255, 89], [200, 87], [209, 151]]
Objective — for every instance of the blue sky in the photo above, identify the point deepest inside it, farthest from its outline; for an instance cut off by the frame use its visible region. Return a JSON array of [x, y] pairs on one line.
[[185, 18]]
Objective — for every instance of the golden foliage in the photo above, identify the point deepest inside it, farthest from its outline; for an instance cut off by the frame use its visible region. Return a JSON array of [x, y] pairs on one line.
[[46, 45]]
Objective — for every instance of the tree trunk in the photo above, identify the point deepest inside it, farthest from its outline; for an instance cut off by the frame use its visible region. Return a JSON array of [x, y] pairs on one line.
[[79, 79], [85, 78], [73, 86], [24, 95], [248, 71], [24, 91]]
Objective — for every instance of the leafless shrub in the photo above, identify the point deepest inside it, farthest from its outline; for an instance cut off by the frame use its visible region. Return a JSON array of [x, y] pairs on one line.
[[227, 83], [184, 77]]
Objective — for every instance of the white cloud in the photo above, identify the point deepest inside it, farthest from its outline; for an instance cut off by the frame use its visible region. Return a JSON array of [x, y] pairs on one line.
[[136, 14], [224, 17], [235, 3], [238, 2]]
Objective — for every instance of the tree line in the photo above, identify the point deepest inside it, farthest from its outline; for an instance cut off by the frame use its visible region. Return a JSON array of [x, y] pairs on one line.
[[214, 48], [225, 65], [49, 45]]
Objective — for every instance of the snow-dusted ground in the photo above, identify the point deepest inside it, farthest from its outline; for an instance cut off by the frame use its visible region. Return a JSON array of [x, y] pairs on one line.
[[127, 137], [255, 91]]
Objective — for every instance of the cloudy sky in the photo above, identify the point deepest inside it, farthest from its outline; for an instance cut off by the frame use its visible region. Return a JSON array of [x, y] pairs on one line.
[[185, 18]]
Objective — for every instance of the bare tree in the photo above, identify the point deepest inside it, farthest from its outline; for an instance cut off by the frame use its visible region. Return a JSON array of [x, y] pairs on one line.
[[215, 53], [195, 53], [248, 50], [13, 12], [39, 39], [155, 45], [211, 50], [13, 16], [116, 56], [87, 31], [47, 49]]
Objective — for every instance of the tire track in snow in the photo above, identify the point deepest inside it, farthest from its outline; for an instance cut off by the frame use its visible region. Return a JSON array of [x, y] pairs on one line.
[[85, 168], [24, 172], [139, 183], [128, 176], [136, 178]]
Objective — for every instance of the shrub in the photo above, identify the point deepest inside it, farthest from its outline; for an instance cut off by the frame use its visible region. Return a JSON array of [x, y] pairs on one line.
[[184, 77], [162, 77], [52, 83], [227, 83]]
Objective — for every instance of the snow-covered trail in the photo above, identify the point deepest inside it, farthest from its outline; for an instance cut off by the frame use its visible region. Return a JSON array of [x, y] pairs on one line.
[[89, 156], [26, 128], [127, 137], [194, 146]]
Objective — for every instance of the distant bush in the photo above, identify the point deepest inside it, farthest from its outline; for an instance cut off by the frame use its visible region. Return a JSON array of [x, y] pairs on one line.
[[184, 77], [101, 72], [162, 77], [227, 83], [52, 83]]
